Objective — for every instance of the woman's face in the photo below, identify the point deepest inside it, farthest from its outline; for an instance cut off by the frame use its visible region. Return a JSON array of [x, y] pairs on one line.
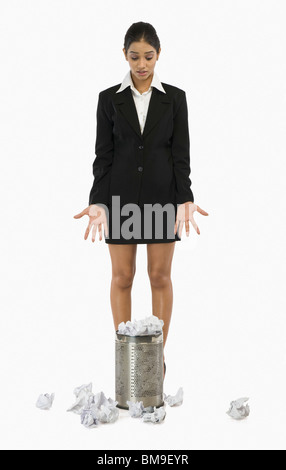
[[142, 57]]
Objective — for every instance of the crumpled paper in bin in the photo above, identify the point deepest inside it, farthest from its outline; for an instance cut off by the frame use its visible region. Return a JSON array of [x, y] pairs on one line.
[[148, 326], [238, 410]]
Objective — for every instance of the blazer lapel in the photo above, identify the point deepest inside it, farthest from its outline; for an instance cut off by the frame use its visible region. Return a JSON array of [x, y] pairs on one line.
[[158, 105]]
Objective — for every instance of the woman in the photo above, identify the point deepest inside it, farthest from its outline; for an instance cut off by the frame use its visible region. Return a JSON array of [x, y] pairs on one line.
[[142, 165]]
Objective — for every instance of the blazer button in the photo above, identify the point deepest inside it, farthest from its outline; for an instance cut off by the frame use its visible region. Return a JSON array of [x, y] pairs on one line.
[[140, 168], [141, 147]]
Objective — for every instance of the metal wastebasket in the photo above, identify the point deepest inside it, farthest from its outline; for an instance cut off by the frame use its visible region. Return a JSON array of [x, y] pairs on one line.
[[139, 371]]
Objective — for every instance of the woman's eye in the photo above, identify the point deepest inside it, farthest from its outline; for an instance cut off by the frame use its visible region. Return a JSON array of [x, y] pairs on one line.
[[135, 58]]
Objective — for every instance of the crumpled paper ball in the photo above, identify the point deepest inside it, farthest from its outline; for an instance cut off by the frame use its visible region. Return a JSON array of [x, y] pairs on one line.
[[175, 400], [156, 417], [94, 408], [100, 399], [83, 397], [238, 410], [88, 419], [149, 414], [45, 402], [106, 413], [135, 409]]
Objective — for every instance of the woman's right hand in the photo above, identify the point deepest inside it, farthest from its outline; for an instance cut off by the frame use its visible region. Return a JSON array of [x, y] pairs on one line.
[[97, 217]]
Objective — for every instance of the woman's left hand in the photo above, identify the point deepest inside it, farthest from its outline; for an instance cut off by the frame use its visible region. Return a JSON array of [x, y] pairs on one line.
[[184, 215]]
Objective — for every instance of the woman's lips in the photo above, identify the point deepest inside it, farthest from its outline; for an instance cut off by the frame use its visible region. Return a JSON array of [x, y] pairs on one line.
[[141, 73]]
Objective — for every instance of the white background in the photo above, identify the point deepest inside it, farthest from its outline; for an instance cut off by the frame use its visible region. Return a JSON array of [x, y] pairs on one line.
[[227, 336]]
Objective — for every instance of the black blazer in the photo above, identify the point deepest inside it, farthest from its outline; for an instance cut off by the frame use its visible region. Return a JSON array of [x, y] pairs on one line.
[[143, 169]]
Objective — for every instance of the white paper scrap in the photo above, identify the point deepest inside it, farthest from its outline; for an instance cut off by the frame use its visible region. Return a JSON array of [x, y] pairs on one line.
[[148, 326], [157, 417], [84, 396], [45, 402], [238, 410], [175, 400], [135, 409], [106, 414], [88, 419], [94, 408]]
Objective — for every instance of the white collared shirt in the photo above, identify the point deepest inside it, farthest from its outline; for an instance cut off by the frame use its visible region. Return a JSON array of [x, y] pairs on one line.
[[141, 100]]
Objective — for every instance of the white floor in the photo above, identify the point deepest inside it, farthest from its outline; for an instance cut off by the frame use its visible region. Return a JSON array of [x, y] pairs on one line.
[[224, 343], [227, 335]]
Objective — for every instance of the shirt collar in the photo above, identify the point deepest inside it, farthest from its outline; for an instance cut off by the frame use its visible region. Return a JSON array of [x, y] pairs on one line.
[[127, 81]]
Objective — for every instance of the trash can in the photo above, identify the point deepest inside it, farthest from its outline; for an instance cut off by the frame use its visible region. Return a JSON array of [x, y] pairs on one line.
[[139, 374]]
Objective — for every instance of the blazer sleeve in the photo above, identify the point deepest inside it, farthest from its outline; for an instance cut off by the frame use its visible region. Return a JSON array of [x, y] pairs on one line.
[[104, 155], [181, 153]]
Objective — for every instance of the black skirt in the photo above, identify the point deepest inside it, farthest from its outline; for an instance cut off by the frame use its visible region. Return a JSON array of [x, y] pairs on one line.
[[142, 225]]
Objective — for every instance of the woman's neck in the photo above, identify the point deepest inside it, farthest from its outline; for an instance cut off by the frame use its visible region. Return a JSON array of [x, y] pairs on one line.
[[140, 85]]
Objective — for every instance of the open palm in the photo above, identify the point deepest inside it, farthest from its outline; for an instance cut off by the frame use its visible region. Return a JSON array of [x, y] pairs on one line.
[[185, 215], [97, 218]]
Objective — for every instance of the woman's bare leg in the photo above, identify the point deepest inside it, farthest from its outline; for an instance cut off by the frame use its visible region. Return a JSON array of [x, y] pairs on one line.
[[123, 259], [160, 256]]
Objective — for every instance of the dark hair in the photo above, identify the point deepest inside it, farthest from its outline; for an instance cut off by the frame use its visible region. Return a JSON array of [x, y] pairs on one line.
[[141, 32]]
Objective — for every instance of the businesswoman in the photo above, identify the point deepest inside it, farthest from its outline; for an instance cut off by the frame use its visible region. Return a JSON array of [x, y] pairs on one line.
[[142, 161]]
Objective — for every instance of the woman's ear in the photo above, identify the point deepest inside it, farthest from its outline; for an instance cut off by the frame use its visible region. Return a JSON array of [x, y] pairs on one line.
[[124, 52]]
